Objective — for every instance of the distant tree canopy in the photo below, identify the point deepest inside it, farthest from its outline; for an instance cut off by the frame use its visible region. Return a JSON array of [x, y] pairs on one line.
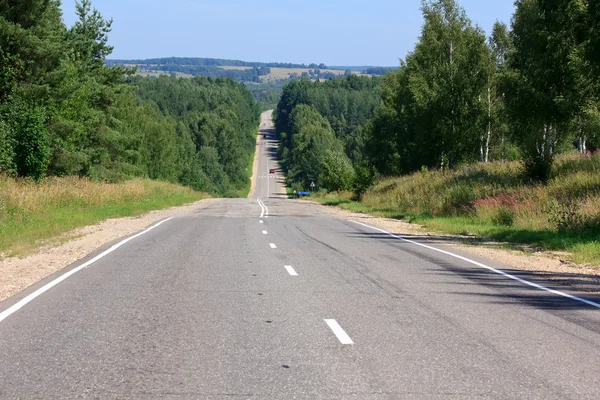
[[321, 129], [246, 75], [523, 94], [63, 111], [458, 98], [210, 62], [379, 70]]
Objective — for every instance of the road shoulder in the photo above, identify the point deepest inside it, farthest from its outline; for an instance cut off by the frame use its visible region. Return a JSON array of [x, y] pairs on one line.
[[17, 274], [549, 265]]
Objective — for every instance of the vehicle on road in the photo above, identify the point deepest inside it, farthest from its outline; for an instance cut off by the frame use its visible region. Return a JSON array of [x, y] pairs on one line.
[[271, 171]]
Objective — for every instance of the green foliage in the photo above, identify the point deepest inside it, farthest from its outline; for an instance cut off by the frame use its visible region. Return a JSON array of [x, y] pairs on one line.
[[63, 111], [321, 130], [31, 148], [338, 173], [433, 111], [7, 154]]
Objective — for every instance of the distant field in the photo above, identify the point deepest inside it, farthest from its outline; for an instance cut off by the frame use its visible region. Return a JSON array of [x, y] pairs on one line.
[[284, 73], [276, 73]]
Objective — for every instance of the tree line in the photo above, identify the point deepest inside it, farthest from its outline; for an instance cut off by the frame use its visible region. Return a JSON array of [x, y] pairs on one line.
[[63, 111], [527, 92], [210, 62], [321, 129], [245, 75]]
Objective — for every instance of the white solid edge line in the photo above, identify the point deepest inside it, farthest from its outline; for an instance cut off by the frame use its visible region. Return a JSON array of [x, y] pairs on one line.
[[497, 271], [339, 332], [272, 245], [16, 307], [290, 270]]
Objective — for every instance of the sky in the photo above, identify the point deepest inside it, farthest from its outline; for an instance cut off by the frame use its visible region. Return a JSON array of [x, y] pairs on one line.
[[334, 32]]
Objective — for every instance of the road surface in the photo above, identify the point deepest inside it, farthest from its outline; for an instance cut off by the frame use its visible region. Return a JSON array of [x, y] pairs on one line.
[[224, 303]]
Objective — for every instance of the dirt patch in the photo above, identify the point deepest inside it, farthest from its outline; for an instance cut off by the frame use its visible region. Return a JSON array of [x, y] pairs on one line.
[[549, 265], [17, 274]]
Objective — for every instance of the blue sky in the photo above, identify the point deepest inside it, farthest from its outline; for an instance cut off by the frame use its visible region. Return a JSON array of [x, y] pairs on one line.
[[334, 32]]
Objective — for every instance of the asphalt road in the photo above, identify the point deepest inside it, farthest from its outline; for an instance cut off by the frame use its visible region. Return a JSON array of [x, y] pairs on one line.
[[218, 304]]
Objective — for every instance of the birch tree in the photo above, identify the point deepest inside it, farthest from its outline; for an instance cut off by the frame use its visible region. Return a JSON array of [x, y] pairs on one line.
[[545, 96]]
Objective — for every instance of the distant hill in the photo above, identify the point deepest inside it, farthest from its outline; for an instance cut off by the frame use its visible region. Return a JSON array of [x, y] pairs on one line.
[[249, 72], [211, 62]]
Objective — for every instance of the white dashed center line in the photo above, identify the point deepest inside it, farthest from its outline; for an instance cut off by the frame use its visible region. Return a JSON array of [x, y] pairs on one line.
[[272, 245], [265, 232], [290, 270], [339, 332], [262, 222]]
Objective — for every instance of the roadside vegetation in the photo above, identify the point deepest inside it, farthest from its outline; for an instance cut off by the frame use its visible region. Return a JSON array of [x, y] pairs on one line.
[[65, 112], [491, 135], [495, 201], [82, 141], [37, 213]]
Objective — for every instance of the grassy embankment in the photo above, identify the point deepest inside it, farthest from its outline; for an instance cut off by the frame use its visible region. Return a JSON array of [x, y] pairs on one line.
[[37, 213], [493, 201], [246, 190]]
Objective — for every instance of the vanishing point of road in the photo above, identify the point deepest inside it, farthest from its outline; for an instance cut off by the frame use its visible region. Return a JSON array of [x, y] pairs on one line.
[[273, 298]]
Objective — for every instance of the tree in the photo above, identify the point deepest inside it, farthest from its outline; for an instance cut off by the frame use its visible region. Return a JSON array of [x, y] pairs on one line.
[[432, 113], [500, 46], [544, 94]]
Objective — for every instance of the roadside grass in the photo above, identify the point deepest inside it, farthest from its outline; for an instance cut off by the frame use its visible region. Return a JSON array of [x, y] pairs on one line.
[[34, 214], [494, 201], [243, 193]]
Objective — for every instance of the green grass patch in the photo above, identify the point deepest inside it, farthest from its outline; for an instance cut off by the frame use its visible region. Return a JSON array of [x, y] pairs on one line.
[[33, 214], [243, 193]]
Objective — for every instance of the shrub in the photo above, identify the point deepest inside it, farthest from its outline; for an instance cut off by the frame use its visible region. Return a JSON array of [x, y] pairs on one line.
[[504, 216], [459, 198]]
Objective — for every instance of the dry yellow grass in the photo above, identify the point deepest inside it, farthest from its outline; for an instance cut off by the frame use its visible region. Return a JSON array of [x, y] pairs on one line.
[[31, 212]]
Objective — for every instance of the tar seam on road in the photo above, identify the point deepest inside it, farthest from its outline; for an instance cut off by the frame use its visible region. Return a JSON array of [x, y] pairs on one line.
[[290, 270], [16, 307], [497, 271], [339, 332]]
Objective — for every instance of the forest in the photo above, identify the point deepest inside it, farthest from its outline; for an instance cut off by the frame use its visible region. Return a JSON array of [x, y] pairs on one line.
[[527, 92], [65, 112], [321, 127], [245, 75]]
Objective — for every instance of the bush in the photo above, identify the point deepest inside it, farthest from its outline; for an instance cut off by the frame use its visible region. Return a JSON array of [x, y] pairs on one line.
[[338, 173], [504, 216], [459, 199], [32, 150], [6, 148], [538, 168]]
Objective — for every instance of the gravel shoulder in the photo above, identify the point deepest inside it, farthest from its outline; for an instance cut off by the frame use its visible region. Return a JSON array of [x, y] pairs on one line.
[[16, 274], [551, 266]]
